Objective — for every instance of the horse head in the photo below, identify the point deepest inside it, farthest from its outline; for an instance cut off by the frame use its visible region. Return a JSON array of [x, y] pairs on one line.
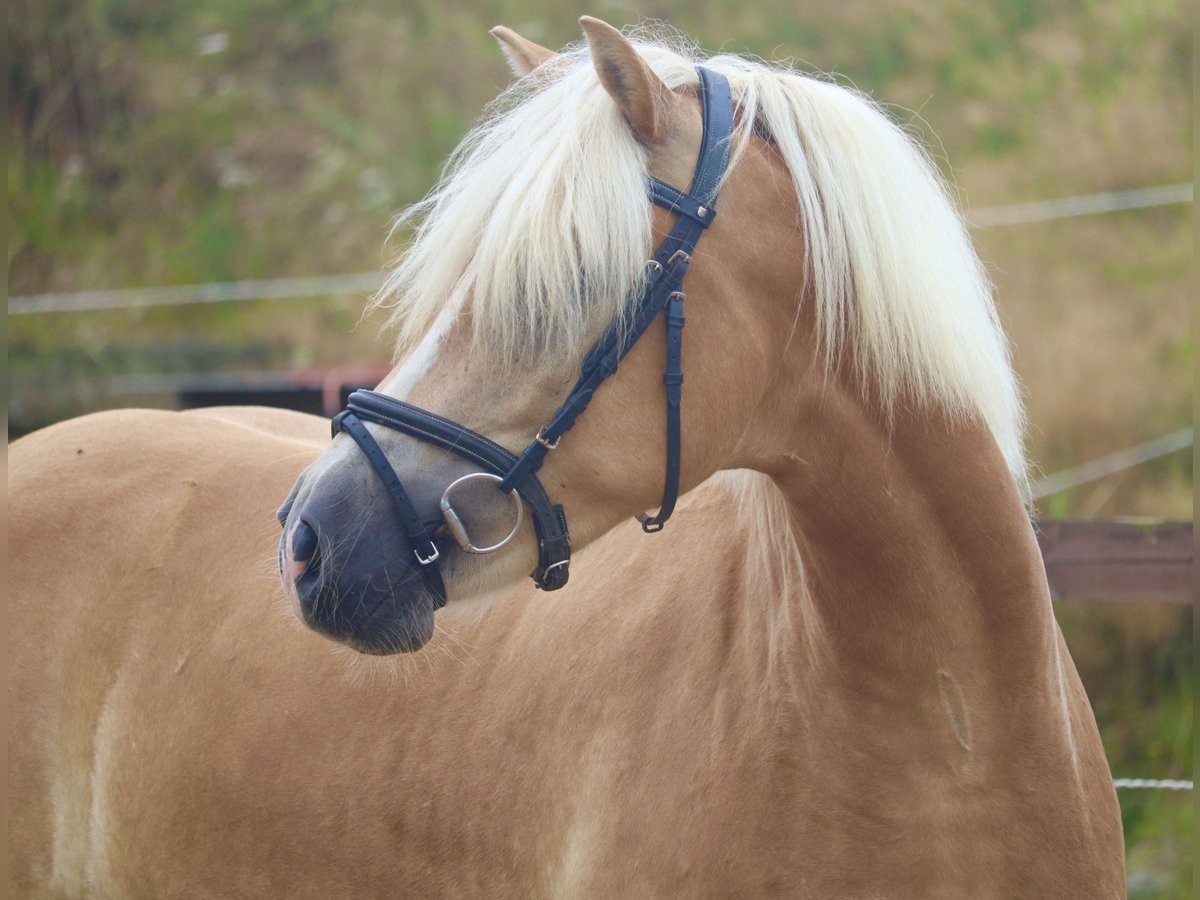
[[541, 255]]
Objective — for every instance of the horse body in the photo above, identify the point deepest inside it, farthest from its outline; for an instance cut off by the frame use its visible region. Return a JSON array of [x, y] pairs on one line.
[[666, 728], [835, 675]]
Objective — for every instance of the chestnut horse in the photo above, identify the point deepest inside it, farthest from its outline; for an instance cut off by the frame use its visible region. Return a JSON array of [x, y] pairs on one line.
[[836, 673]]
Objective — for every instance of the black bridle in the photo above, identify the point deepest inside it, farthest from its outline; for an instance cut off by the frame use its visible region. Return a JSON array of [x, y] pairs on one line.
[[663, 290]]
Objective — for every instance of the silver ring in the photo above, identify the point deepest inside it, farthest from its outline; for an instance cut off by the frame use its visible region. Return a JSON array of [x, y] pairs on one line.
[[454, 523]]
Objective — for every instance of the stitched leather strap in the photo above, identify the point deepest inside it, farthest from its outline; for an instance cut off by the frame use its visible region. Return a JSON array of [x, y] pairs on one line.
[[716, 103], [549, 520], [697, 211], [667, 270], [673, 379], [676, 201], [424, 548]]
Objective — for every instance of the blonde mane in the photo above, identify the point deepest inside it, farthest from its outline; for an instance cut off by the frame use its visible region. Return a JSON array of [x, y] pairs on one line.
[[541, 219]]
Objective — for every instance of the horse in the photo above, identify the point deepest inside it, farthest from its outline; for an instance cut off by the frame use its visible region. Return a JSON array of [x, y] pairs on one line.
[[835, 674]]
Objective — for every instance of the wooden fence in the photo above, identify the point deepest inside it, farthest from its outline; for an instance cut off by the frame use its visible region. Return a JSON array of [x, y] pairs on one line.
[[1118, 560]]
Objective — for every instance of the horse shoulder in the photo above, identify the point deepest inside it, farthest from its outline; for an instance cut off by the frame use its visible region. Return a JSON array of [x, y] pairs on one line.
[[105, 513]]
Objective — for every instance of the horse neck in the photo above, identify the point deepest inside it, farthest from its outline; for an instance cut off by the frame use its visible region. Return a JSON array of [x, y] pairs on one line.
[[918, 554]]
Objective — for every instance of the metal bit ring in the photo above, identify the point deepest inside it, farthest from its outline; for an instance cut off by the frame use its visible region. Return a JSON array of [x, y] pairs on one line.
[[459, 531]]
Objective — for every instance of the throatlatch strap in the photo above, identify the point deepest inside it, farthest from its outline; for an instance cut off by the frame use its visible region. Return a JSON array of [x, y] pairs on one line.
[[696, 210], [673, 379]]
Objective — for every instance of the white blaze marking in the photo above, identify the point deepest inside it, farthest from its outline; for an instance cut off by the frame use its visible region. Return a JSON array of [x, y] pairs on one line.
[[398, 385], [401, 382]]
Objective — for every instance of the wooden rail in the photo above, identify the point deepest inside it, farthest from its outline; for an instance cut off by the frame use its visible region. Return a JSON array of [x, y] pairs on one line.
[[1119, 560]]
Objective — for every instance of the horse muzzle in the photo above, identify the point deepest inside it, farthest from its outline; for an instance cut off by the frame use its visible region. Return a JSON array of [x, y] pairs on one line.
[[348, 576]]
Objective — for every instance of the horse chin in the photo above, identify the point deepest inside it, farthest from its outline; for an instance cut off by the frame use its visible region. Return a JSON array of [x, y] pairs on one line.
[[407, 634], [401, 623], [386, 632]]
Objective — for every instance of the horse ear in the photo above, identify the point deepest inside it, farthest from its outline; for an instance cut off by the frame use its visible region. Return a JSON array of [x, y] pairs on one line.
[[637, 90], [523, 55]]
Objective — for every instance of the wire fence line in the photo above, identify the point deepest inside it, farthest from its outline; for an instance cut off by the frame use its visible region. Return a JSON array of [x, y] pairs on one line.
[[369, 282], [213, 292], [1085, 205], [1113, 463], [1153, 784]]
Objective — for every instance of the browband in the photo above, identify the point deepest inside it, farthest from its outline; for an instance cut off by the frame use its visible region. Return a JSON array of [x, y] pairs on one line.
[[663, 290]]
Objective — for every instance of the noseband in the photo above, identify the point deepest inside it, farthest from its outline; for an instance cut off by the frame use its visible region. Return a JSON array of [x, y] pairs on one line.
[[663, 290]]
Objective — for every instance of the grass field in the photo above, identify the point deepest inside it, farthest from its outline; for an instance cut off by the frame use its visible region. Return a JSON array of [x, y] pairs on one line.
[[161, 144]]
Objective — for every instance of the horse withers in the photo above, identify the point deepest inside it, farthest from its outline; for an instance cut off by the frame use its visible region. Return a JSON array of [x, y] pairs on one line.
[[835, 673]]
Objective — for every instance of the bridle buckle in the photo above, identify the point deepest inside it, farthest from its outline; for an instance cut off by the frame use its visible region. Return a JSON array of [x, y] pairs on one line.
[[541, 439], [431, 558]]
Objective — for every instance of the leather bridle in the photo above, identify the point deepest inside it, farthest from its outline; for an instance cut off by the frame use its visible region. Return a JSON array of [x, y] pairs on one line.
[[663, 290]]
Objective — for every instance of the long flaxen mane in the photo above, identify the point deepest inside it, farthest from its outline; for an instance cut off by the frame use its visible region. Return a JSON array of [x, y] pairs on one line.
[[540, 225]]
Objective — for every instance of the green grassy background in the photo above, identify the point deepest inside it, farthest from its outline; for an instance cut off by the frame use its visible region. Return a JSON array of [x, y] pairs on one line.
[[156, 144]]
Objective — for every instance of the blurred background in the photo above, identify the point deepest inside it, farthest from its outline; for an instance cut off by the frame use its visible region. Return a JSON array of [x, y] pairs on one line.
[[162, 146]]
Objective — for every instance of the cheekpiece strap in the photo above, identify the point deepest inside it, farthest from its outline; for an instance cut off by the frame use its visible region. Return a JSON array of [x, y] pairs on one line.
[[424, 548]]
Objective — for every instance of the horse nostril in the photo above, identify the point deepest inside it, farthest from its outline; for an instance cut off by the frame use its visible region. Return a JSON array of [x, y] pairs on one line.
[[304, 542], [284, 511]]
